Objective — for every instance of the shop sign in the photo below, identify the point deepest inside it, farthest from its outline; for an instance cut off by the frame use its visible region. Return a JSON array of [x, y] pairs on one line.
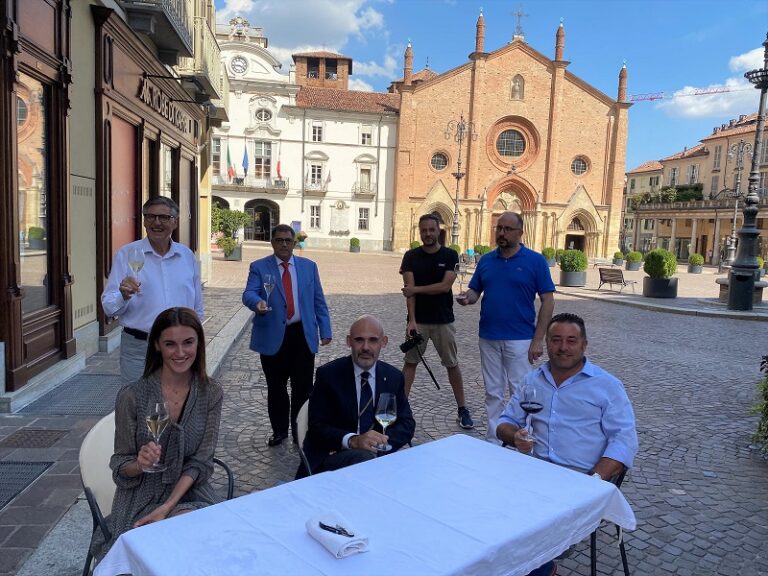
[[161, 103]]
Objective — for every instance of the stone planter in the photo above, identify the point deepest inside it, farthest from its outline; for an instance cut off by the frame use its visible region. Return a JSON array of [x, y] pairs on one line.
[[573, 278], [633, 266], [37, 243], [551, 263], [618, 262], [659, 287], [695, 269], [354, 248], [236, 254]]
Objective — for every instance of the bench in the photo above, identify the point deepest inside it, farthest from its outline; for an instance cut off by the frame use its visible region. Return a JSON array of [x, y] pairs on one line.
[[615, 276], [596, 262]]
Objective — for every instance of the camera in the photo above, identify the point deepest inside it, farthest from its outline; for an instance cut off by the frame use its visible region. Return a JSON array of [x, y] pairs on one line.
[[414, 340]]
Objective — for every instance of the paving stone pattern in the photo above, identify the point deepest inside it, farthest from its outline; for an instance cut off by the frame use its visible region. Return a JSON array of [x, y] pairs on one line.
[[699, 492]]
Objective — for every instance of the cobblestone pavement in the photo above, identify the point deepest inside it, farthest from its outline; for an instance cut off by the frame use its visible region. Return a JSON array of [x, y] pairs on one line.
[[700, 493]]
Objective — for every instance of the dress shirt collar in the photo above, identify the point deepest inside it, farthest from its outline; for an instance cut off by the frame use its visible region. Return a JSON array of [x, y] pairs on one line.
[[371, 379], [146, 247], [291, 261]]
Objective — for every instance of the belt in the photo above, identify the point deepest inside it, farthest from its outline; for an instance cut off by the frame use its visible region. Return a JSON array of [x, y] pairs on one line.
[[138, 334]]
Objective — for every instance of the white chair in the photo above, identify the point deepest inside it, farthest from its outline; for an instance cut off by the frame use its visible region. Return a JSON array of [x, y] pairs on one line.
[[96, 476], [302, 425]]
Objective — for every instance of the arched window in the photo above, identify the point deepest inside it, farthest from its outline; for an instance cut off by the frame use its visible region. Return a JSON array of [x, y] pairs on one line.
[[575, 225], [518, 88]]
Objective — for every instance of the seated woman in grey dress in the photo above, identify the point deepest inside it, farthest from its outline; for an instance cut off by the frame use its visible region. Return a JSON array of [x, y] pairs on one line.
[[174, 372]]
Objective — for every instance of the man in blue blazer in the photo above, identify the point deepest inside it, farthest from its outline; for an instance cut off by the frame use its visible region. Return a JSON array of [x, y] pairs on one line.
[[335, 438], [285, 329]]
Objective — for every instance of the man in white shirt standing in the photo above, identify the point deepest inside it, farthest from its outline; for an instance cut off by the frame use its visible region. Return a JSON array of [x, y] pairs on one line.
[[169, 277]]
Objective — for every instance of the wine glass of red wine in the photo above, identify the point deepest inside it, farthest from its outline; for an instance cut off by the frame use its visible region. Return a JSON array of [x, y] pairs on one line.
[[531, 403]]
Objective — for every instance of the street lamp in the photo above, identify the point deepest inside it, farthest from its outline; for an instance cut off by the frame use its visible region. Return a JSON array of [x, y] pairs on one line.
[[736, 150], [459, 130], [741, 280]]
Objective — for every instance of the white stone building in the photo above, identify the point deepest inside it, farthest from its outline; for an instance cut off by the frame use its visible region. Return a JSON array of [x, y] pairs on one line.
[[302, 149]]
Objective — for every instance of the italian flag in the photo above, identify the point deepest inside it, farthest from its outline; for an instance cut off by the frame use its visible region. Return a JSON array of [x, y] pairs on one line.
[[230, 166]]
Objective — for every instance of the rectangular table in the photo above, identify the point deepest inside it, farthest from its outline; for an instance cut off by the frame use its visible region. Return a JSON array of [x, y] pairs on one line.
[[454, 506]]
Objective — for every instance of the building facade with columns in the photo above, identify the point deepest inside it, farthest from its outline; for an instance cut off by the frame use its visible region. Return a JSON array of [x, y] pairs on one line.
[[301, 148], [706, 224], [538, 140]]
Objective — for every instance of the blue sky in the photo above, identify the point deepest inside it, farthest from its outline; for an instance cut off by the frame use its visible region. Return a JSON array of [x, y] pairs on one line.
[[670, 46]]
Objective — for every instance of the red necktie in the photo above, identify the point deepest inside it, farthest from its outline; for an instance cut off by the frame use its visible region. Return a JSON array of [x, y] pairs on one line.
[[288, 289]]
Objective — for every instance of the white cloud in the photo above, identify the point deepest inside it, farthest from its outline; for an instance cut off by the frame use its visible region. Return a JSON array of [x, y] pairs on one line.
[[310, 25], [730, 98], [357, 84], [749, 61]]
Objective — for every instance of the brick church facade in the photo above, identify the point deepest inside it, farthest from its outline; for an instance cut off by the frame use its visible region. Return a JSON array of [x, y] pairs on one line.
[[539, 141]]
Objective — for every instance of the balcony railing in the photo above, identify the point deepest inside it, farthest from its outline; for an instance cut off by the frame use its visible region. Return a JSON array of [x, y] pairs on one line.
[[206, 64], [252, 182], [364, 189], [313, 186], [221, 105], [167, 22]]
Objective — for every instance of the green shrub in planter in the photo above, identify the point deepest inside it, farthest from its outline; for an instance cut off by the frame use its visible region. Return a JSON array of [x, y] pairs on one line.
[[696, 259], [760, 262], [36, 233], [415, 244], [618, 255], [548, 253], [559, 253], [481, 249], [354, 242], [456, 248], [634, 256], [227, 244], [660, 263], [573, 261]]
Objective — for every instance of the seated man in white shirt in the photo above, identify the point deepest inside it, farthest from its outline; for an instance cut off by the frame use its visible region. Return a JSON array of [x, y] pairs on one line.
[[586, 421]]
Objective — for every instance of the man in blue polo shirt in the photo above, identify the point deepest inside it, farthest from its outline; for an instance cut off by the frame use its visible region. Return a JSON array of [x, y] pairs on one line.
[[511, 336]]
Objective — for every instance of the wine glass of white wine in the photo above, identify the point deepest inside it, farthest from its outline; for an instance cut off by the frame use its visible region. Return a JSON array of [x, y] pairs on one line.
[[386, 414], [136, 261], [461, 271], [269, 285], [157, 419]]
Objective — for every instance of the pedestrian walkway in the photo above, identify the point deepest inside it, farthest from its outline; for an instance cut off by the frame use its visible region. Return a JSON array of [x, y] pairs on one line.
[[700, 492]]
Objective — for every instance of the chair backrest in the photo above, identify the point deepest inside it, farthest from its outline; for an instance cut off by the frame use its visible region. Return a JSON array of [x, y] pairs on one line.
[[302, 423], [95, 452]]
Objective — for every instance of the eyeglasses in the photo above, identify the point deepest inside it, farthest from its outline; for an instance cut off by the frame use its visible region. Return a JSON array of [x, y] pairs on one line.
[[506, 229], [164, 218], [285, 241]]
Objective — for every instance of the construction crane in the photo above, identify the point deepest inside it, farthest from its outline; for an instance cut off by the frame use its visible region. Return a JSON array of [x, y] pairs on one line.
[[696, 92]]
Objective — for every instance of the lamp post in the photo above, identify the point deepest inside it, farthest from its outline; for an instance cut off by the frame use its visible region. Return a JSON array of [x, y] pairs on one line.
[[736, 150], [741, 280], [459, 130]]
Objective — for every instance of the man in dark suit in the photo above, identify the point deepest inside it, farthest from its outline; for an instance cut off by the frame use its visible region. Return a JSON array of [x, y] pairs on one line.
[[341, 428], [285, 329]]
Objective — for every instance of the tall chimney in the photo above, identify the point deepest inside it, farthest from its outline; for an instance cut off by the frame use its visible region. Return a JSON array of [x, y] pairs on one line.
[[480, 33], [560, 42], [408, 68]]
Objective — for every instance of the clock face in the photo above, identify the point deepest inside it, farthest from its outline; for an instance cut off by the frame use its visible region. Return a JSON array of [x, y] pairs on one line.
[[239, 65]]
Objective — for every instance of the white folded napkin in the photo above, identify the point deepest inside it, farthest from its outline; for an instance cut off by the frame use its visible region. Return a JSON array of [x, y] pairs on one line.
[[337, 544]]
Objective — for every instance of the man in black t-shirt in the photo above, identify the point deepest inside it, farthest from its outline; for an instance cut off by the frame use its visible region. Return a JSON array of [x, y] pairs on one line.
[[428, 274]]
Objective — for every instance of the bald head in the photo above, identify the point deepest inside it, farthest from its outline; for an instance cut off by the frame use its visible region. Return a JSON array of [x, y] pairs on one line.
[[366, 339]]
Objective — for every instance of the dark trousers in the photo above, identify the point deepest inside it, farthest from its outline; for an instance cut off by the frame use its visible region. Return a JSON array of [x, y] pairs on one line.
[[293, 361], [338, 460]]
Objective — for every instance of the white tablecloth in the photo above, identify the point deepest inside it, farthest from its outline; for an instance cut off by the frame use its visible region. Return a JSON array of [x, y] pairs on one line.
[[454, 506]]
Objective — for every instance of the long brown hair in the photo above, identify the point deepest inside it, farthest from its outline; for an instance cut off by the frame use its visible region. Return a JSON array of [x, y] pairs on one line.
[[168, 319]]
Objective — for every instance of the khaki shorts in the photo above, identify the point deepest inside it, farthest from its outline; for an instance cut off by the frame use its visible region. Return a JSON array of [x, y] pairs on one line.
[[443, 336]]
